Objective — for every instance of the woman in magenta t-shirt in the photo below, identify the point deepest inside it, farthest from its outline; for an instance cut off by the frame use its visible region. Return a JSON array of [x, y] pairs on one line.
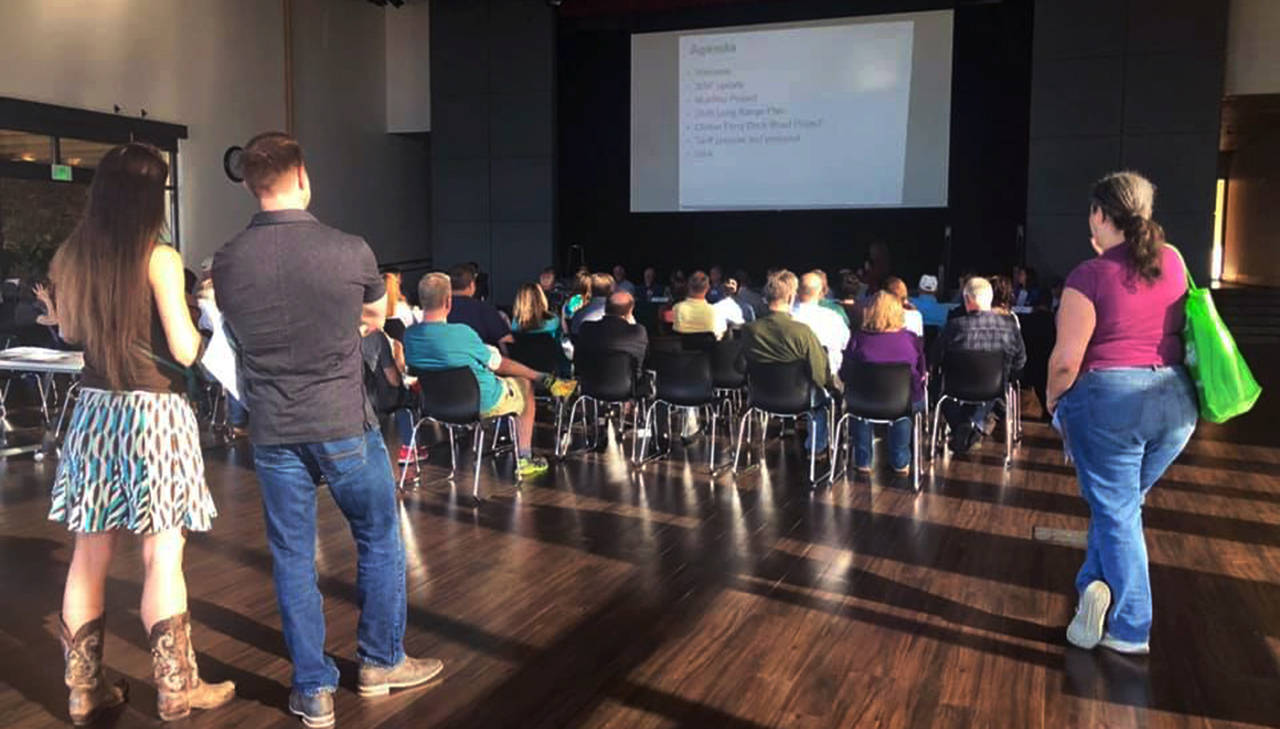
[[1123, 401]]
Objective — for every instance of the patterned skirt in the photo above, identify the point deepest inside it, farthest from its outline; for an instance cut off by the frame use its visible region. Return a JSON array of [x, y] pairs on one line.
[[132, 460]]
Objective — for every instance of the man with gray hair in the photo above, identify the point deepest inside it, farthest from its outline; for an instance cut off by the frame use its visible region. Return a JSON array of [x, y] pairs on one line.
[[827, 325], [983, 330], [506, 386], [777, 338]]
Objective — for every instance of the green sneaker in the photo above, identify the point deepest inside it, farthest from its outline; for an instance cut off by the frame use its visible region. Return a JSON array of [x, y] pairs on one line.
[[531, 466], [561, 388]]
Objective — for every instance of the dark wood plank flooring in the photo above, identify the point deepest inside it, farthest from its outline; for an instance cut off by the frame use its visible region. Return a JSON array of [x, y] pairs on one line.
[[606, 596]]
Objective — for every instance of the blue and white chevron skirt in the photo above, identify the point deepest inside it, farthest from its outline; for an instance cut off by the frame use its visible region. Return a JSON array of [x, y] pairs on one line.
[[132, 460]]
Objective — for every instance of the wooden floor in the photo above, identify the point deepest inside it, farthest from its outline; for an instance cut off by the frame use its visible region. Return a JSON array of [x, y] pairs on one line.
[[605, 596]]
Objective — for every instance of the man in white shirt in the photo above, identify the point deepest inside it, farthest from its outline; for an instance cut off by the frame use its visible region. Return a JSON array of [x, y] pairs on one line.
[[729, 309], [830, 329]]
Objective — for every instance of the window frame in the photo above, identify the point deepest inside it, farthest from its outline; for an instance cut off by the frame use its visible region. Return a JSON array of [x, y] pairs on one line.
[[59, 122]]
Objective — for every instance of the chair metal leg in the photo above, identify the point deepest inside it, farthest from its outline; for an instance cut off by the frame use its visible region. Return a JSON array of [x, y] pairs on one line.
[[479, 448], [1008, 427], [413, 446], [837, 436], [737, 448], [562, 447], [515, 443], [917, 431], [935, 433], [711, 442]]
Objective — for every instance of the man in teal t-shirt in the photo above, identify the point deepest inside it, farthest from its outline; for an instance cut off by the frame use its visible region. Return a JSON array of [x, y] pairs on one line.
[[506, 386]]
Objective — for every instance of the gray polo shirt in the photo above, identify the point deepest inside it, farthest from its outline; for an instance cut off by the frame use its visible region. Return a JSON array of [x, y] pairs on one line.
[[292, 290]]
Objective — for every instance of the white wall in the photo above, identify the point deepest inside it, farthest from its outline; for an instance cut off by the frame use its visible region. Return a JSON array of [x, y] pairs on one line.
[[366, 181], [216, 66], [409, 68], [1253, 47]]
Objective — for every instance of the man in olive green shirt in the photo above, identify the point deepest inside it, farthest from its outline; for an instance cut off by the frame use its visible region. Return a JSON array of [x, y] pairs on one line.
[[776, 338]]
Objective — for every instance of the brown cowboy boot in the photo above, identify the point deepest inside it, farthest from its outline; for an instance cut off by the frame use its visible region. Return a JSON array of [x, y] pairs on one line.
[[178, 685], [90, 692]]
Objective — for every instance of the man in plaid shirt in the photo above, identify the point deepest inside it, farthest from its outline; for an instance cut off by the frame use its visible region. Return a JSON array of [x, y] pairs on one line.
[[980, 329]]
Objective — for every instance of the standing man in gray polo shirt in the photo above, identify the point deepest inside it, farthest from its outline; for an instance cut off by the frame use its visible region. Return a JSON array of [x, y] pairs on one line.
[[295, 294]]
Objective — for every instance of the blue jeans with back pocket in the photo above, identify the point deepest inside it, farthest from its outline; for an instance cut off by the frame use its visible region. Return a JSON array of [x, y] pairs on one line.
[[1123, 428], [358, 473]]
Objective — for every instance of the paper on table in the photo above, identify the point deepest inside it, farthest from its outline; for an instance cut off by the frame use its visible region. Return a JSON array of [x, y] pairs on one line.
[[220, 357]]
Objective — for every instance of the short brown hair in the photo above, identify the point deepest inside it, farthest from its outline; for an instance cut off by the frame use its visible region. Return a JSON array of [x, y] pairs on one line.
[[781, 286], [266, 158], [461, 276], [699, 283], [883, 314], [601, 285], [895, 286], [434, 290]]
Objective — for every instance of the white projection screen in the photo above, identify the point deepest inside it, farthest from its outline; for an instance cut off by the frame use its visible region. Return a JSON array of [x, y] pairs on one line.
[[836, 113]]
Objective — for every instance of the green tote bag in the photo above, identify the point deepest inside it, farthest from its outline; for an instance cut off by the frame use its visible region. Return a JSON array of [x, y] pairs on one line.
[[1224, 384]]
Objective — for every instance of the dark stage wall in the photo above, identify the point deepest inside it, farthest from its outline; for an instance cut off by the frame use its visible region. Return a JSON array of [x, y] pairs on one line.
[[988, 171]]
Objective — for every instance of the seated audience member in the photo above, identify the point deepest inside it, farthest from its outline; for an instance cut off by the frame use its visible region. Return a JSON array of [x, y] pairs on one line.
[[580, 296], [981, 329], [826, 300], [830, 329], [884, 340], [397, 306], [601, 288], [620, 282], [551, 288], [651, 289], [615, 332], [530, 313], [747, 296], [384, 382], [731, 309], [926, 302], [715, 277], [506, 386], [1026, 286], [481, 279], [913, 321], [695, 315], [479, 315], [1002, 295], [776, 338], [1055, 293], [1039, 332], [850, 298]]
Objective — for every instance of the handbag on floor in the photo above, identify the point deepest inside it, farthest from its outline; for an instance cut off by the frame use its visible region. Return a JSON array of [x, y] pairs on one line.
[[1224, 385]]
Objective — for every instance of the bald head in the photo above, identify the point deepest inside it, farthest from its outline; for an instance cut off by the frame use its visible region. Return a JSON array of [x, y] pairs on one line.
[[811, 286], [620, 304]]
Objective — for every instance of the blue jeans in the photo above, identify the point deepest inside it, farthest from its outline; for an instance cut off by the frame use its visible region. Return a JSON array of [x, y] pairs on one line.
[[237, 415], [1123, 428], [404, 426], [899, 441], [358, 472], [818, 430]]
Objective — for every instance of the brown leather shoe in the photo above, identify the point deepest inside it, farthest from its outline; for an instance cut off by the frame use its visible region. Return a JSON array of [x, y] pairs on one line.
[[410, 672], [178, 685], [90, 692]]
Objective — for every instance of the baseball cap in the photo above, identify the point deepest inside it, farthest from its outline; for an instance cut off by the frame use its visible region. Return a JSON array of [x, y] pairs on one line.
[[928, 283]]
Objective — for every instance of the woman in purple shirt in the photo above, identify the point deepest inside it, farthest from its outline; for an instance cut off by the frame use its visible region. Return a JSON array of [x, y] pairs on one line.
[[1123, 401], [883, 340]]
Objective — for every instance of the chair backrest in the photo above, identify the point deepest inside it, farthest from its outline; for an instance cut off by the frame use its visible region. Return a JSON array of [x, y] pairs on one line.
[[538, 351], [698, 341], [607, 376], [394, 329], [973, 374], [782, 388], [727, 369], [450, 396], [684, 378], [879, 391]]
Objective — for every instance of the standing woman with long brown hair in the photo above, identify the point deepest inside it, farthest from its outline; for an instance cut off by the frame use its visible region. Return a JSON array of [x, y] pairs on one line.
[[131, 461]]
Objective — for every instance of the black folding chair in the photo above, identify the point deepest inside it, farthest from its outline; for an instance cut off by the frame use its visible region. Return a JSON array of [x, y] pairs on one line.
[[729, 373], [697, 341], [781, 391], [974, 377], [682, 382], [879, 394], [543, 353], [607, 378], [451, 399]]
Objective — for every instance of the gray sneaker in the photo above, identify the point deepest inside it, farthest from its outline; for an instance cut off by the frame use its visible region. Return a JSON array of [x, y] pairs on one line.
[[378, 681], [1086, 627], [316, 711]]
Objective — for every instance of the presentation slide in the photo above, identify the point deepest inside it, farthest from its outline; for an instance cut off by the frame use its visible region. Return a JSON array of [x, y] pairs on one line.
[[842, 113]]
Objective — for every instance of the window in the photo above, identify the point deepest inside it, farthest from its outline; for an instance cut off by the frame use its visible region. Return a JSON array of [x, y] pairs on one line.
[[18, 146], [47, 158]]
